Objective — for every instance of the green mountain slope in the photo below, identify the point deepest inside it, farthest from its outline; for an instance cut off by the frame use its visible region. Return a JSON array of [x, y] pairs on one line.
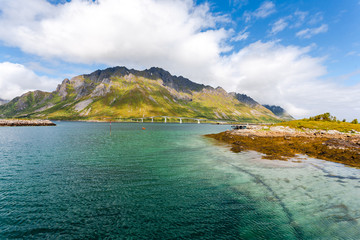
[[118, 92]]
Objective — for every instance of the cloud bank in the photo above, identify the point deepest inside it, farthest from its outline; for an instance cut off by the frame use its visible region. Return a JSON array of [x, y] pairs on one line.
[[290, 77], [15, 79], [181, 37]]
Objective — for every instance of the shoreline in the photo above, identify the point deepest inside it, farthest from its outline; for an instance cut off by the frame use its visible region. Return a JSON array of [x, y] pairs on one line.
[[155, 122], [283, 143], [23, 122]]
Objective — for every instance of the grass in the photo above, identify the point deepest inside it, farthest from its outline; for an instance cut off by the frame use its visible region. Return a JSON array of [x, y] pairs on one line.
[[321, 125]]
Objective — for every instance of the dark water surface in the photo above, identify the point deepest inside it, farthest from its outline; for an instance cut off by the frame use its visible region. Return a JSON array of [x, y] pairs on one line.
[[75, 181]]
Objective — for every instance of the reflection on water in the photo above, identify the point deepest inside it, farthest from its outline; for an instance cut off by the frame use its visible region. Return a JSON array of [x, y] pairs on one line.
[[77, 181]]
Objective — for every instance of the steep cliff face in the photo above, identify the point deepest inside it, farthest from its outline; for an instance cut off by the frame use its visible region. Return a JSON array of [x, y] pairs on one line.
[[127, 93]]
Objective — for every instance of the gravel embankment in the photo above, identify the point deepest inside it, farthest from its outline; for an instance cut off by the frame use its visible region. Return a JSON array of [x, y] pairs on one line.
[[22, 122]]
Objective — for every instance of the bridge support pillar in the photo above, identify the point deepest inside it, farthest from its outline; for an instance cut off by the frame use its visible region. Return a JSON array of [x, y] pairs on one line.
[[180, 120], [165, 120], [198, 121], [152, 119]]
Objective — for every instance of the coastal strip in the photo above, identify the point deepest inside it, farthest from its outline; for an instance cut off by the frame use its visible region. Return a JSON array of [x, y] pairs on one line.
[[282, 143], [23, 122]]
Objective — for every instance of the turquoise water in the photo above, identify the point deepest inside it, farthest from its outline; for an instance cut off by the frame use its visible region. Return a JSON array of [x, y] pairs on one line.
[[76, 181]]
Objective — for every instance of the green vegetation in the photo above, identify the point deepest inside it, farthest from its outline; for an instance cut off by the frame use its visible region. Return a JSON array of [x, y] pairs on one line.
[[323, 122], [326, 117]]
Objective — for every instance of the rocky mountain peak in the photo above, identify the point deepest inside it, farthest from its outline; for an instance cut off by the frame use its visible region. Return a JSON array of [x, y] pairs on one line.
[[245, 99], [62, 88], [179, 83], [99, 75]]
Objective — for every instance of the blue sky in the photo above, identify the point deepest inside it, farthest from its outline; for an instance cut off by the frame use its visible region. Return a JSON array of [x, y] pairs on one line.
[[302, 55]]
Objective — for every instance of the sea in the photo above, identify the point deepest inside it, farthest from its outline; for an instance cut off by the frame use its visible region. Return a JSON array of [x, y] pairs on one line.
[[78, 180]]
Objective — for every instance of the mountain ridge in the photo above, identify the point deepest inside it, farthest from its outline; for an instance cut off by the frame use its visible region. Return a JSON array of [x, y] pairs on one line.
[[119, 92], [176, 82]]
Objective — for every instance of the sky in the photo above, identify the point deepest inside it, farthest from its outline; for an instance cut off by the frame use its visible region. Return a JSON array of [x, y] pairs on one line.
[[299, 54]]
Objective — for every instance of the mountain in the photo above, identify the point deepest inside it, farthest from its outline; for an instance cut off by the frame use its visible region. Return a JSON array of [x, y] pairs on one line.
[[2, 101], [245, 99], [279, 111], [124, 93]]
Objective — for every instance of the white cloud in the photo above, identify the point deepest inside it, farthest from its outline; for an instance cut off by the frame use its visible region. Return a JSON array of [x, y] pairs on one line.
[[109, 30], [352, 53], [299, 18], [177, 35], [266, 8], [316, 18], [269, 71], [288, 76], [242, 35], [291, 21], [279, 26], [237, 3], [309, 32], [16, 79], [301, 15]]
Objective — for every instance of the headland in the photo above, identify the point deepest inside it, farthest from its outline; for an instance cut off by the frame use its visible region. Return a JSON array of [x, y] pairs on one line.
[[284, 142]]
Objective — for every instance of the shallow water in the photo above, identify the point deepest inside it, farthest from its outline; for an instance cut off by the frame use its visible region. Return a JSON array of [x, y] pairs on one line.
[[76, 180]]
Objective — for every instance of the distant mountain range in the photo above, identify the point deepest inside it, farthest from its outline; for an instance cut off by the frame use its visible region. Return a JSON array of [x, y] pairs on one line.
[[2, 101], [124, 93], [279, 111]]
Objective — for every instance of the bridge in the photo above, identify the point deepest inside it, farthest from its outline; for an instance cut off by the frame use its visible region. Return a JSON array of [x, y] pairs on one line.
[[198, 120]]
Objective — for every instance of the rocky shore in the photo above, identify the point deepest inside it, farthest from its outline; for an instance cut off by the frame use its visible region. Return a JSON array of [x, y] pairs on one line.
[[278, 142], [22, 122]]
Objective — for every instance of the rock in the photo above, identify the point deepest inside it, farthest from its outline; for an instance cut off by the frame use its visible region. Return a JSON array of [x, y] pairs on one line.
[[85, 113], [333, 132], [83, 104], [22, 122], [100, 91], [45, 107], [152, 99], [62, 88]]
